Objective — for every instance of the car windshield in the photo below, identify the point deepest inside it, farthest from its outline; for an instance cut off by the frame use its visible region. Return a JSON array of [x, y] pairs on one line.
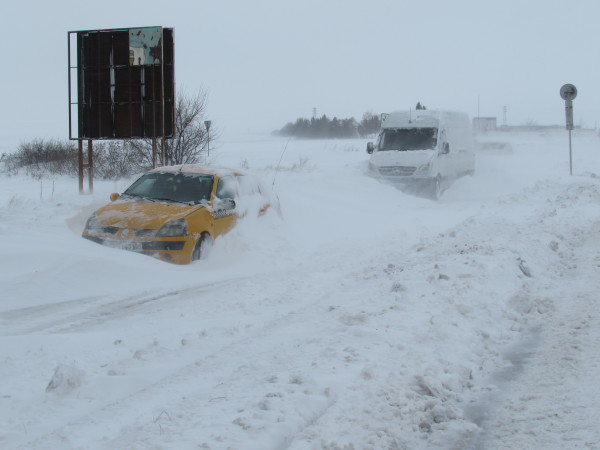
[[409, 139], [176, 187]]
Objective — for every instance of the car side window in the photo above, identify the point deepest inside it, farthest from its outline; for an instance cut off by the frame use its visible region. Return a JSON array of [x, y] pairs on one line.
[[226, 188], [248, 186]]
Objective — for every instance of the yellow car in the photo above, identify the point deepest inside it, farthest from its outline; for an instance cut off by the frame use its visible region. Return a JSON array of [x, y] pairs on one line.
[[174, 213]]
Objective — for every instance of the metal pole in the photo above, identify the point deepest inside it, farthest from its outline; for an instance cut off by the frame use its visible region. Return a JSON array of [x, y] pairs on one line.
[[69, 78], [80, 164], [90, 167], [154, 154], [207, 125], [568, 92], [570, 155], [162, 98]]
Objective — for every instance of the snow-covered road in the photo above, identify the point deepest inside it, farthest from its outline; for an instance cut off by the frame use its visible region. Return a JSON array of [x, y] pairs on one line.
[[363, 318]]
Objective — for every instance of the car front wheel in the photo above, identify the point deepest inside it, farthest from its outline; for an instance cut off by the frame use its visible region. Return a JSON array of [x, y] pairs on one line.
[[202, 247]]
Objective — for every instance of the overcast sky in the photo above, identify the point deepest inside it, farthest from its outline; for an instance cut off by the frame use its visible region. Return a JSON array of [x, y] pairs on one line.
[[264, 63]]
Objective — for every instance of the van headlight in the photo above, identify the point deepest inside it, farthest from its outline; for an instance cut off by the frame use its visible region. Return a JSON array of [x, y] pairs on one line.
[[174, 228], [424, 169]]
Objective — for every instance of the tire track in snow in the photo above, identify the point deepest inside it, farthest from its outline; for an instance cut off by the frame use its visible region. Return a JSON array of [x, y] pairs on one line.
[[538, 399], [183, 381], [61, 317], [564, 370]]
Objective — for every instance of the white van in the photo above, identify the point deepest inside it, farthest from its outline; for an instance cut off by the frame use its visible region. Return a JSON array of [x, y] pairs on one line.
[[423, 150]]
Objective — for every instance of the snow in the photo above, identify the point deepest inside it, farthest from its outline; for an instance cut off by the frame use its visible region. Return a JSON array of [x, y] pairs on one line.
[[361, 318]]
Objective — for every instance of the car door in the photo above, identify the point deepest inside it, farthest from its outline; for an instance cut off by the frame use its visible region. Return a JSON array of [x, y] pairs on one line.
[[224, 211]]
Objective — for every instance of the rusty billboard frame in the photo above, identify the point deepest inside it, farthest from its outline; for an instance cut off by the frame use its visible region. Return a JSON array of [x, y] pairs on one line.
[[121, 86]]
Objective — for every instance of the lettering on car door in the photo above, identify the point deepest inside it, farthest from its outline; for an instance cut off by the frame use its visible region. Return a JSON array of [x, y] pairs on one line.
[[224, 211]]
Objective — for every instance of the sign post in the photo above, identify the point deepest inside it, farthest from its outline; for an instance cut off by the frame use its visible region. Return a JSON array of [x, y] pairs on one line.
[[207, 125], [568, 92]]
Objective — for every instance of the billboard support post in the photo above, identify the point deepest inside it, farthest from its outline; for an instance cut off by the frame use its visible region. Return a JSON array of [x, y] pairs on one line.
[[90, 167], [80, 164], [154, 154]]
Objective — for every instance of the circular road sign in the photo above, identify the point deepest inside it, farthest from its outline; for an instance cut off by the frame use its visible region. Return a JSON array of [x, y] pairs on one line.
[[568, 92]]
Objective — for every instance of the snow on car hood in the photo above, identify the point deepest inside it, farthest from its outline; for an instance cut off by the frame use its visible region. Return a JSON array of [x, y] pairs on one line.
[[142, 215], [414, 158]]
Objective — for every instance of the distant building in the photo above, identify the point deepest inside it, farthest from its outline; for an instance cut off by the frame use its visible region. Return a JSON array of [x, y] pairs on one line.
[[481, 124]]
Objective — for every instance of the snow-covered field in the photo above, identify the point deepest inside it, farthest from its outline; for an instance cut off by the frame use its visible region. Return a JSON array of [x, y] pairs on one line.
[[363, 318]]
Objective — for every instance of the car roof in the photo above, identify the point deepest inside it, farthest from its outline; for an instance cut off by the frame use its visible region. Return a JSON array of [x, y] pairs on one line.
[[198, 169]]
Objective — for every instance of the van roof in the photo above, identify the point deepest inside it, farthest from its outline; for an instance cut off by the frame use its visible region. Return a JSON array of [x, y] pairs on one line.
[[419, 118]]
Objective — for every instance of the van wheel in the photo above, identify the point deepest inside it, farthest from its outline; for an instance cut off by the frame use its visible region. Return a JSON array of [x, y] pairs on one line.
[[436, 188], [202, 247]]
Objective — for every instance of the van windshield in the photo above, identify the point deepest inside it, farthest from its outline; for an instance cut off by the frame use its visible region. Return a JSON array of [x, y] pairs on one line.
[[409, 139]]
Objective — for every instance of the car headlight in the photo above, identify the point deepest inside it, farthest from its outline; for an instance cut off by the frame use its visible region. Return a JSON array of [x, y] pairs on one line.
[[174, 228], [93, 224]]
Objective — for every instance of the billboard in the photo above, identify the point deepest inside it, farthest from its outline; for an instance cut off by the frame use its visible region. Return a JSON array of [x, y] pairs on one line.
[[121, 83]]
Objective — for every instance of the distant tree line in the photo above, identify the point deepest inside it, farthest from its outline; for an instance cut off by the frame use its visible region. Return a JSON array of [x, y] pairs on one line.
[[326, 128]]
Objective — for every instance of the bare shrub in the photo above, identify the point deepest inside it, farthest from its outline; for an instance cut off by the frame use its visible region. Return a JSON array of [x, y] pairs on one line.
[[117, 159], [40, 158], [191, 140]]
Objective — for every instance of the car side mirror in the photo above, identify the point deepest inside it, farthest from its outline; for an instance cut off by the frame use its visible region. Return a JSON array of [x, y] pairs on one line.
[[114, 196], [446, 148], [225, 203], [370, 148]]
